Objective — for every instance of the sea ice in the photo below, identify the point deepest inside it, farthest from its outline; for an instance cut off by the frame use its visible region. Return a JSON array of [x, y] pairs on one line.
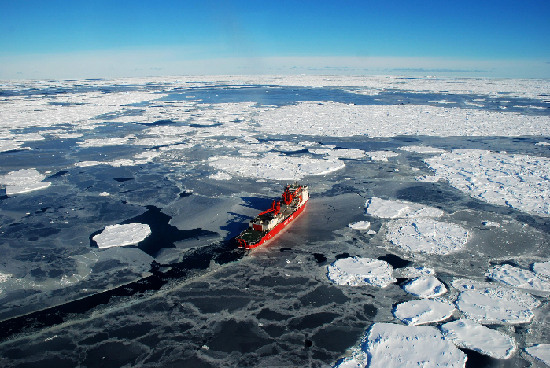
[[9, 145], [23, 181], [360, 271], [276, 167], [487, 303], [336, 119], [542, 268], [518, 277], [540, 352], [391, 209], [425, 235], [361, 225], [412, 272], [425, 287], [381, 155], [121, 235], [468, 334], [418, 312], [392, 345], [422, 149], [517, 181]]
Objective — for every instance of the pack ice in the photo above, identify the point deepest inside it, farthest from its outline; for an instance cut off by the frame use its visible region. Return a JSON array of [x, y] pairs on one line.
[[356, 271], [418, 312], [23, 181], [517, 181], [121, 235], [391, 345]]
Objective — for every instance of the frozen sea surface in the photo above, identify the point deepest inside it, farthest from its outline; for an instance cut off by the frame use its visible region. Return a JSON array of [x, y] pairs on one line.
[[429, 206]]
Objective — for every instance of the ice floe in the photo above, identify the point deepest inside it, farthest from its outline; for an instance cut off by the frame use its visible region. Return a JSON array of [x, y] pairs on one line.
[[422, 149], [518, 277], [418, 312], [468, 334], [274, 166], [343, 120], [540, 352], [392, 209], [426, 235], [23, 181], [425, 287], [412, 272], [381, 155], [357, 271], [392, 345], [121, 235], [542, 268], [517, 181], [487, 303], [360, 225]]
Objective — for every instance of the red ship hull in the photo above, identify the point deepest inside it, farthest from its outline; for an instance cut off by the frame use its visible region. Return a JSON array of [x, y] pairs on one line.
[[277, 229]]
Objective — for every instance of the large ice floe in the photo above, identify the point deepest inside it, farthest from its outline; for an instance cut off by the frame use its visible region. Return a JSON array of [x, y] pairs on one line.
[[542, 268], [487, 303], [518, 277], [418, 312], [23, 181], [357, 271], [391, 209], [471, 335], [121, 235], [343, 120], [274, 166], [426, 235], [425, 287], [540, 352], [517, 181], [392, 345]]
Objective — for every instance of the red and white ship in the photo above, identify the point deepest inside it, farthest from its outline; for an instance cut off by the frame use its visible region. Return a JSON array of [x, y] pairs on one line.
[[270, 222]]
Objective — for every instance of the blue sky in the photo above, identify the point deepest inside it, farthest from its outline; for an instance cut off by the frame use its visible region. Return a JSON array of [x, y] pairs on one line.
[[64, 39]]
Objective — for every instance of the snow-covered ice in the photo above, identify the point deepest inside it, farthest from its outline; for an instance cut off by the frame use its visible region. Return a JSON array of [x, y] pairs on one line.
[[542, 268], [393, 209], [425, 287], [540, 352], [418, 312], [392, 345], [518, 277], [487, 303], [360, 225], [517, 181], [412, 272], [23, 181], [468, 334], [343, 120], [357, 271], [422, 149], [381, 155], [274, 166], [121, 235], [426, 235]]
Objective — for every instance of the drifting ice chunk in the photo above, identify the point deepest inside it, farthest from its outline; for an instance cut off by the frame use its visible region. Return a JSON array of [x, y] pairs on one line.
[[425, 287], [518, 277], [23, 181], [121, 235], [470, 335], [361, 225], [390, 209], [418, 312], [391, 345], [542, 268], [516, 181], [274, 166], [427, 236], [540, 352], [360, 271], [489, 304], [381, 155], [411, 272]]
